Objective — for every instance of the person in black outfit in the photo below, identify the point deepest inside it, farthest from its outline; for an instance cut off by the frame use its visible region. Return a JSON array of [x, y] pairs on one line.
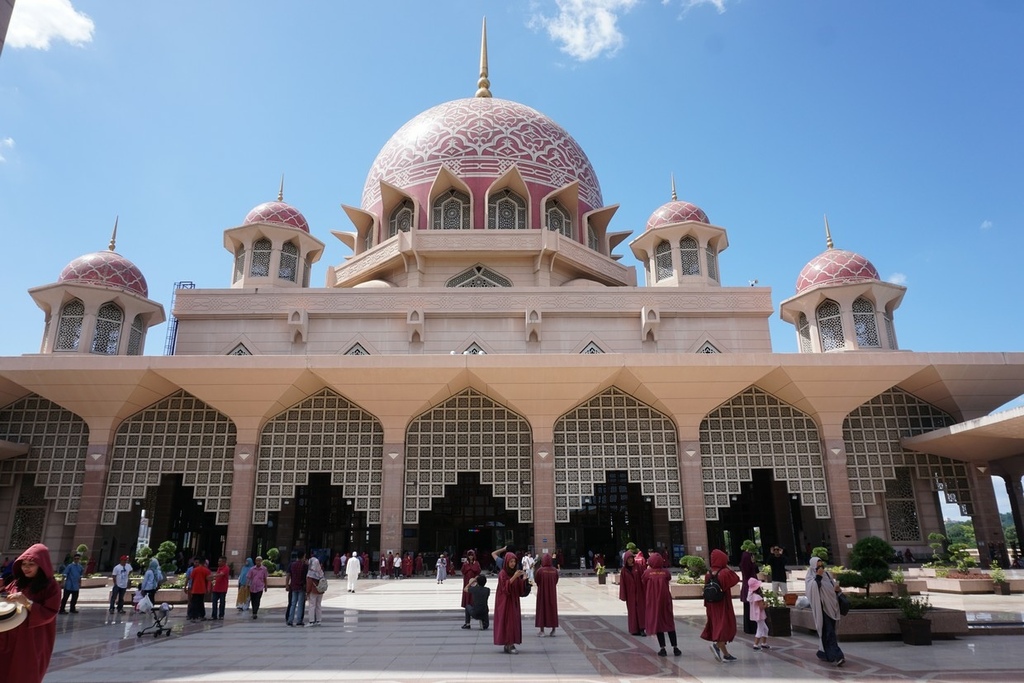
[[479, 594], [777, 561]]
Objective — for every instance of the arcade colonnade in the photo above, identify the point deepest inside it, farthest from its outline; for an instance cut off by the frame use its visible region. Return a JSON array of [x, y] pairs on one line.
[[850, 472]]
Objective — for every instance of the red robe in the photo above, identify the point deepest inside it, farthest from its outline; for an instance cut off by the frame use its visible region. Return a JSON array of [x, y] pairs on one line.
[[470, 570], [25, 651], [418, 565], [336, 564], [658, 615], [721, 624], [407, 566], [508, 615], [545, 579], [631, 591]]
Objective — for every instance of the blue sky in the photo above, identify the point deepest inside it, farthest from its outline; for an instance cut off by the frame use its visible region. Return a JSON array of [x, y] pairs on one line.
[[900, 121]]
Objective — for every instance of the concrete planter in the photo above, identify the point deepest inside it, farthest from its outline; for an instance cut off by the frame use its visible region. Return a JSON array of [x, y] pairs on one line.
[[98, 582], [172, 596], [1001, 588], [277, 581], [963, 586], [693, 591], [779, 624], [882, 624], [916, 631]]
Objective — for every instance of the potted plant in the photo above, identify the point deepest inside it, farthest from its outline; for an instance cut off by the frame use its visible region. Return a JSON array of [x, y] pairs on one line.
[[602, 575], [999, 582], [899, 583], [915, 628], [779, 623]]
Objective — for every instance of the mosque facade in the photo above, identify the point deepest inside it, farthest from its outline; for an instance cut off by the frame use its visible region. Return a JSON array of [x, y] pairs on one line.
[[482, 370]]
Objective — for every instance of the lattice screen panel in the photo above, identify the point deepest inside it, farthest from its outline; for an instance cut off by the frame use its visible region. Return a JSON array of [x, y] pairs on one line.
[[755, 430], [178, 435], [322, 433], [873, 452], [469, 433], [901, 508], [59, 440], [614, 431]]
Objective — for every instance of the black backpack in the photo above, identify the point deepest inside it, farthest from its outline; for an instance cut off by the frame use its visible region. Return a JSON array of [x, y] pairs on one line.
[[712, 589]]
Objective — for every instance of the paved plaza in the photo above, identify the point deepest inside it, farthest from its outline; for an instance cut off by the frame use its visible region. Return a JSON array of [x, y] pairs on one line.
[[408, 630]]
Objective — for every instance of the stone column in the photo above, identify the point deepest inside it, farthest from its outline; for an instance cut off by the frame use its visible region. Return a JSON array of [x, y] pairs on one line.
[[987, 528], [90, 500], [695, 526], [1015, 492], [833, 456], [243, 495], [392, 497], [543, 496]]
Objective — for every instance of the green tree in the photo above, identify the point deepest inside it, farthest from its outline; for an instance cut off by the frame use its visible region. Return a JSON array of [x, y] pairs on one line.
[[961, 531], [870, 558]]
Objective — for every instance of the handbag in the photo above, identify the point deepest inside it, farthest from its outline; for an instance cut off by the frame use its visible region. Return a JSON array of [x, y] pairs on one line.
[[844, 604], [526, 587], [321, 585]]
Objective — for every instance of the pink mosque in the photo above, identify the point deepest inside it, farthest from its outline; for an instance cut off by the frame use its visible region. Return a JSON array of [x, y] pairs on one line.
[[483, 370]]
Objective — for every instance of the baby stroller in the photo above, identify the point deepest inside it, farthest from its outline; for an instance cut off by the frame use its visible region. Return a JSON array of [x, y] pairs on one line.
[[160, 614]]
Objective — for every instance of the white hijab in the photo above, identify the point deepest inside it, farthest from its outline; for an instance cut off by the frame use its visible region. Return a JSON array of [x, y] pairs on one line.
[[823, 598]]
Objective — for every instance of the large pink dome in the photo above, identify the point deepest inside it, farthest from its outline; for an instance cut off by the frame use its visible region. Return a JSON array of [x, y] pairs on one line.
[[676, 212], [835, 267], [108, 269], [277, 213], [482, 137]]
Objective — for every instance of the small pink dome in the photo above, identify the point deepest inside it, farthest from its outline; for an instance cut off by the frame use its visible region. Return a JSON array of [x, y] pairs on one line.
[[277, 213], [835, 267], [107, 269], [676, 212]]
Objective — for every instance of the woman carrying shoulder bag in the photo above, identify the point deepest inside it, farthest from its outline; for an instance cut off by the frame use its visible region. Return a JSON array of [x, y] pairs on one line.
[[822, 592]]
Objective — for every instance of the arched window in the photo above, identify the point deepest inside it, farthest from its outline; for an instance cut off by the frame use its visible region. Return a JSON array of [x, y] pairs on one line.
[[108, 329], [135, 336], [591, 238], [239, 264], [662, 261], [506, 211], [69, 327], [712, 257], [289, 262], [803, 331], [689, 256], [401, 219], [451, 211], [558, 218], [864, 324], [260, 258], [830, 326]]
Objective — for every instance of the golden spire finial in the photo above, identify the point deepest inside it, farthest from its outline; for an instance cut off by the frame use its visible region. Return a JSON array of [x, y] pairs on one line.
[[113, 235], [674, 197], [280, 190], [483, 85], [828, 234]]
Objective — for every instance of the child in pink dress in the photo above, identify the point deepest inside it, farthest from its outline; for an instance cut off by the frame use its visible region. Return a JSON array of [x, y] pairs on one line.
[[757, 613]]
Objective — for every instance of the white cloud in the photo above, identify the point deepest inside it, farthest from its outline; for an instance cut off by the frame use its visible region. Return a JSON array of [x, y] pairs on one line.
[[586, 28], [689, 4], [898, 278], [37, 23], [6, 143], [985, 225]]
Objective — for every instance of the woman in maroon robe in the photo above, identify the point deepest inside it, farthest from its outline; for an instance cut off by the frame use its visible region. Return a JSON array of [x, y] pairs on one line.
[[25, 650], [748, 570], [470, 570], [407, 565], [418, 565], [508, 616], [631, 591], [721, 625], [658, 604], [546, 578]]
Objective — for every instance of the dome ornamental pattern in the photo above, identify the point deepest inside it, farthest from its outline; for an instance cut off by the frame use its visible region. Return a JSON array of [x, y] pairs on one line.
[[676, 212], [835, 267], [277, 213], [483, 137], [107, 269]]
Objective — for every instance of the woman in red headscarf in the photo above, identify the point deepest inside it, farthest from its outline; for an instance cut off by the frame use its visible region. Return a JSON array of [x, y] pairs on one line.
[[470, 570], [25, 649], [721, 625], [658, 604], [631, 591], [508, 615], [546, 578]]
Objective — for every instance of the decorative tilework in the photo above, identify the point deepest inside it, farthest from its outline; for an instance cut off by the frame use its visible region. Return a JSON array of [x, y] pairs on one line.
[[108, 269], [469, 433], [614, 431], [835, 267], [755, 430], [277, 213], [322, 433], [676, 212]]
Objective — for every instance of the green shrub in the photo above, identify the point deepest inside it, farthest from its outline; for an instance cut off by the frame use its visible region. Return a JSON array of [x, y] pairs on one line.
[[959, 556], [873, 602], [821, 552], [694, 566], [850, 579], [870, 557]]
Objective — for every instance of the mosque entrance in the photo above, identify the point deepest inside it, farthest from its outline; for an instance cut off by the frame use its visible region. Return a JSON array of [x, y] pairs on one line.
[[469, 516], [321, 521], [617, 513], [763, 511], [185, 522]]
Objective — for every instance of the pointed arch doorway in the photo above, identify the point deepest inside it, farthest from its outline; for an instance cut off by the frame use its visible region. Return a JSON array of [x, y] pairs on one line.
[[468, 516], [617, 513]]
